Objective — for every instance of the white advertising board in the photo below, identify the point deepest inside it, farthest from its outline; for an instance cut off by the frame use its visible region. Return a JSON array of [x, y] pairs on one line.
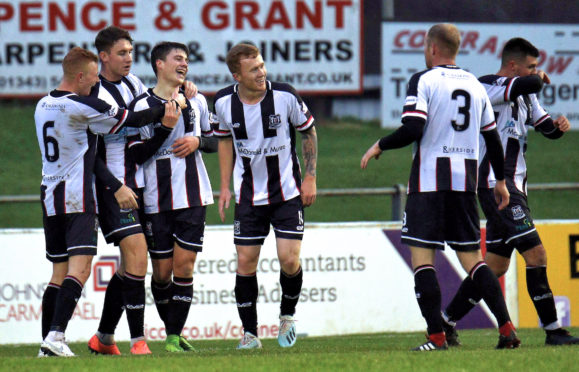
[[312, 44], [354, 282], [480, 53]]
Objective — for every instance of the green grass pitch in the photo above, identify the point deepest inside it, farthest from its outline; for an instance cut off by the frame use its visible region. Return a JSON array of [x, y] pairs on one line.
[[370, 352]]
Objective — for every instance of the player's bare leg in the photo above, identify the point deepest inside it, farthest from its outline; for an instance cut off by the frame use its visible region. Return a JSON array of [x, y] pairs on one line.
[[246, 292]]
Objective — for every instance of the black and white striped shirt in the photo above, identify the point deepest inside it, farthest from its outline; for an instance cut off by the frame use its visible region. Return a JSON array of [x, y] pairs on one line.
[[170, 182], [513, 120], [121, 93], [65, 127], [267, 169], [455, 108]]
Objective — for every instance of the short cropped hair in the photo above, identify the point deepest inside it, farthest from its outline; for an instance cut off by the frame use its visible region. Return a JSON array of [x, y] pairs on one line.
[[107, 37], [76, 60], [162, 49], [518, 48], [238, 52], [447, 37]]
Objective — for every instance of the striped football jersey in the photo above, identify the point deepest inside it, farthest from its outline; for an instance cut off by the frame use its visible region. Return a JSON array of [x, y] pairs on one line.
[[267, 168], [65, 127], [120, 93], [455, 109], [513, 120], [170, 182]]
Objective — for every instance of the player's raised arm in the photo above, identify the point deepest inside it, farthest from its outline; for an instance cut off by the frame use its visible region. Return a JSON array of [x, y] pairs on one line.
[[140, 150]]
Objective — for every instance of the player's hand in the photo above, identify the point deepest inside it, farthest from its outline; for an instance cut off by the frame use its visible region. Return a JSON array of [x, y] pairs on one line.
[[562, 123], [308, 191], [224, 199], [172, 113], [543, 75], [190, 89], [180, 99], [502, 195], [373, 152], [126, 198], [185, 145]]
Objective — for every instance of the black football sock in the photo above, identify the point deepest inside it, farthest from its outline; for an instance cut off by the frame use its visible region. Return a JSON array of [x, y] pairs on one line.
[[246, 292], [463, 301], [428, 297], [291, 287], [48, 305], [113, 306], [488, 286], [179, 304], [161, 294], [541, 295], [68, 296], [134, 300]]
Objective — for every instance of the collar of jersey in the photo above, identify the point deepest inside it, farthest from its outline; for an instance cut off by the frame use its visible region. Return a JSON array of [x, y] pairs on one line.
[[60, 93], [102, 78], [235, 87], [448, 66]]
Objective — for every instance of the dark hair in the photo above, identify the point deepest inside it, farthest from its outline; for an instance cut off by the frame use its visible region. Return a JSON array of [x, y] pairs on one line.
[[107, 37], [238, 52], [162, 49], [518, 48], [76, 61]]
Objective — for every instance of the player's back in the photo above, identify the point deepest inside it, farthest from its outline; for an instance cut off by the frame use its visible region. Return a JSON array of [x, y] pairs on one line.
[[456, 109], [65, 123]]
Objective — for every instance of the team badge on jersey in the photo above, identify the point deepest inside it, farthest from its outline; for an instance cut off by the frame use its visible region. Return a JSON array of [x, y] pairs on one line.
[[274, 121], [517, 212]]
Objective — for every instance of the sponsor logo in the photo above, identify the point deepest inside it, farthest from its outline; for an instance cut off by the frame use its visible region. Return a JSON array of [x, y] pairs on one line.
[[245, 304], [149, 228], [182, 298], [103, 270], [457, 150], [543, 297], [54, 107], [113, 111], [236, 227], [512, 132], [135, 307], [300, 218], [518, 213], [164, 152], [510, 124], [274, 121], [235, 125], [410, 100], [525, 226]]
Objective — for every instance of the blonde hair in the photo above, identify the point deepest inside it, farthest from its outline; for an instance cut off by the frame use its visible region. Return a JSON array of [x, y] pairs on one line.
[[446, 36]]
